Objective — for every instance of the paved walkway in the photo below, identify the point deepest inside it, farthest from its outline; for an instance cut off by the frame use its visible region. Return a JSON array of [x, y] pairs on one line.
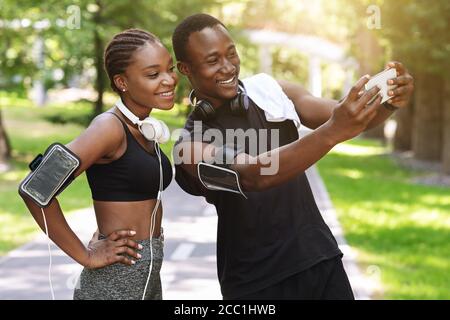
[[189, 268]]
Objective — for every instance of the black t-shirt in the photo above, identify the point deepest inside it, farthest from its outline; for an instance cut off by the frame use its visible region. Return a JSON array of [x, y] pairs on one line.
[[273, 234]]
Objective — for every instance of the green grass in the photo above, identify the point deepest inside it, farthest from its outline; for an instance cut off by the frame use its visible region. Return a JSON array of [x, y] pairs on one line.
[[31, 130], [401, 228]]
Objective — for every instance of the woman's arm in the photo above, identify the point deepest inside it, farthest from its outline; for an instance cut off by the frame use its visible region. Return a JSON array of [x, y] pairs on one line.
[[101, 139]]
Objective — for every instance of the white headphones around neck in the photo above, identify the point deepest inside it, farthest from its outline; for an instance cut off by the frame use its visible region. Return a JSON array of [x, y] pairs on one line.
[[152, 129]]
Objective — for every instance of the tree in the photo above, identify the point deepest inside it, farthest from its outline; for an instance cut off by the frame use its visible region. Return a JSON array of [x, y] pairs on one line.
[[77, 50], [370, 56], [5, 147], [428, 124], [403, 133], [446, 130], [418, 32]]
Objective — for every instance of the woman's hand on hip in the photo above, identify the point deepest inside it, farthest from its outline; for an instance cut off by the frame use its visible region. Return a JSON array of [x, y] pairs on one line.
[[116, 248]]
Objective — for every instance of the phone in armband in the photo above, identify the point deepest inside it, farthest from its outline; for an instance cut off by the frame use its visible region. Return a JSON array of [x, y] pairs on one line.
[[50, 174], [218, 178]]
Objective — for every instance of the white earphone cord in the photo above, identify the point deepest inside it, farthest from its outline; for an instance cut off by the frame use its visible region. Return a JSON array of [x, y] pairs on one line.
[[153, 216], [50, 256]]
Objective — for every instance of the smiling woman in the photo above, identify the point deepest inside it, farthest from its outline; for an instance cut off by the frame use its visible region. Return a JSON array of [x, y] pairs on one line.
[[127, 172]]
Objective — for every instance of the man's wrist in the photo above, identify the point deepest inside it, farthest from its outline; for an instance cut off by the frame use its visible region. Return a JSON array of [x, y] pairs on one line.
[[390, 107], [328, 134]]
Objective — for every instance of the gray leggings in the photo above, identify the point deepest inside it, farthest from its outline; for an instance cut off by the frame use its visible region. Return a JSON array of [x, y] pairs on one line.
[[123, 282]]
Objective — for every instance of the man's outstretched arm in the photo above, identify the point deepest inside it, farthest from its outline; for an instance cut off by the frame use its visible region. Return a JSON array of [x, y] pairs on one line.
[[314, 111], [349, 118]]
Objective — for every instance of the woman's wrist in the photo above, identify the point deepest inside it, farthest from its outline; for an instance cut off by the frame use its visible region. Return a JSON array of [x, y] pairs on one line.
[[85, 259]]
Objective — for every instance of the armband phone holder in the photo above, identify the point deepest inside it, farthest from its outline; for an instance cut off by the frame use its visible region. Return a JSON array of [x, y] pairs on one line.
[[218, 178], [50, 174]]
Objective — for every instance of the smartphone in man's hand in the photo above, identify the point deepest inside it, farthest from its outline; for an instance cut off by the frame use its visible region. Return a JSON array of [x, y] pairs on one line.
[[381, 80]]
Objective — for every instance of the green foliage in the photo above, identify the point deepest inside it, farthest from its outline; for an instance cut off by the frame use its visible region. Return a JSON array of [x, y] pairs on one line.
[[319, 18], [290, 65], [415, 32], [72, 50], [418, 31]]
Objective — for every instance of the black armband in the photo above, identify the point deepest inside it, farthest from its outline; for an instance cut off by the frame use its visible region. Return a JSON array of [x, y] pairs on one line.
[[219, 178], [50, 174]]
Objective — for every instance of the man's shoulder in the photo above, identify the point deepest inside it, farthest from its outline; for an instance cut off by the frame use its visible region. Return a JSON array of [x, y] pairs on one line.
[[259, 77], [261, 84]]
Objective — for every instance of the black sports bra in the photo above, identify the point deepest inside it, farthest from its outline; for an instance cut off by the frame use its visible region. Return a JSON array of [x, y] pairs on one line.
[[132, 177]]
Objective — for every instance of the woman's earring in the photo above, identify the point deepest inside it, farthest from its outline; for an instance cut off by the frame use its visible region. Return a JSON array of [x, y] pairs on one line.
[[123, 90]]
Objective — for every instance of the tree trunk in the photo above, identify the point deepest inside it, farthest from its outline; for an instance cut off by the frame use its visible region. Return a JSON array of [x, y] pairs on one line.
[[404, 119], [376, 133], [427, 134], [5, 147], [404, 130], [369, 63], [98, 48], [446, 128]]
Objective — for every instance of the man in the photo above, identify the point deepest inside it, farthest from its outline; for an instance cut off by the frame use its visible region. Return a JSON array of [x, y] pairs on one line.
[[272, 243]]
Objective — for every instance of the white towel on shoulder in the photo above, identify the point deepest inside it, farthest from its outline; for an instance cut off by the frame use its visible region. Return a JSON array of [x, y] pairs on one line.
[[269, 96]]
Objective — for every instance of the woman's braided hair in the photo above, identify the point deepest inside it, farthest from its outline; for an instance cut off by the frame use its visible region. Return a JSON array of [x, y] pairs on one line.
[[118, 52]]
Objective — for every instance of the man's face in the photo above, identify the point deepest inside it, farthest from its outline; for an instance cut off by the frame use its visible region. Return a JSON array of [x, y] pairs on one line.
[[213, 64]]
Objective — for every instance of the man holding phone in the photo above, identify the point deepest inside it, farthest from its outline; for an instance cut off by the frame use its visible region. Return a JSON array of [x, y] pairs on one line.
[[273, 243]]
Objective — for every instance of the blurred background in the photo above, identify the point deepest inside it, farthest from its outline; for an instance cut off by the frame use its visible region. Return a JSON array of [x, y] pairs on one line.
[[390, 187]]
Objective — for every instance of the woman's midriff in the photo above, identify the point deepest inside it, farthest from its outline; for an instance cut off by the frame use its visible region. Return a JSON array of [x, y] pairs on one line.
[[112, 216]]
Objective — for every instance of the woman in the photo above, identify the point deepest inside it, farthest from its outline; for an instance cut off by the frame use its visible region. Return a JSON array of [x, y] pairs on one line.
[[123, 171]]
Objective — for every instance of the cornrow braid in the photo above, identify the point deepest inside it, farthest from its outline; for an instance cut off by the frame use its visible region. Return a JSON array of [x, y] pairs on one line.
[[118, 52]]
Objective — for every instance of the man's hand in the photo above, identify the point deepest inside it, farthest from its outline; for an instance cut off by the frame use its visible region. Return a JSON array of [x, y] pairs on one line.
[[400, 96], [115, 248], [353, 113]]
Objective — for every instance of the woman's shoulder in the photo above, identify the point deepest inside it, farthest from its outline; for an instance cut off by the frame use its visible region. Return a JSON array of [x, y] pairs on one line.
[[108, 121], [107, 128], [102, 139]]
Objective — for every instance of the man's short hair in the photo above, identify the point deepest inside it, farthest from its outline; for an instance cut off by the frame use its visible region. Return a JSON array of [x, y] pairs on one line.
[[185, 28]]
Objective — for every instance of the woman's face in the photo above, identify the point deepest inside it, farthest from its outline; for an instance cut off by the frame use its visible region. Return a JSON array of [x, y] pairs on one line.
[[150, 78]]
